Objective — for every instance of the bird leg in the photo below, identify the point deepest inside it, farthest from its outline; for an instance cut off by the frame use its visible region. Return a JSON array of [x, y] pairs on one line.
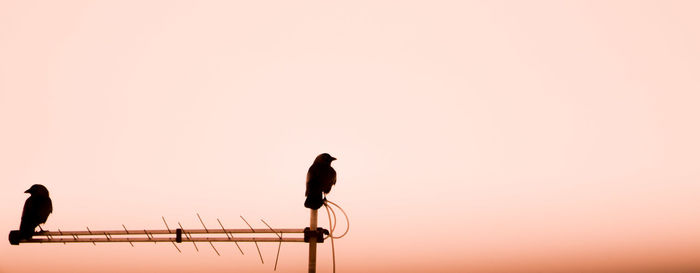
[[40, 229]]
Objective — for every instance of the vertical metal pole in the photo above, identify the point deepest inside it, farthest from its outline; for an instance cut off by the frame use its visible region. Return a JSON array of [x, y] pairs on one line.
[[312, 242]]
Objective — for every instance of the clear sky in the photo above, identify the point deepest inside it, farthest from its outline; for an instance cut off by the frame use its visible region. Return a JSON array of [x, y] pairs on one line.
[[480, 136]]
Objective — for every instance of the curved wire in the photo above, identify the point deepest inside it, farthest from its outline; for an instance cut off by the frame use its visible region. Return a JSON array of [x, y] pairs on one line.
[[333, 223], [347, 219]]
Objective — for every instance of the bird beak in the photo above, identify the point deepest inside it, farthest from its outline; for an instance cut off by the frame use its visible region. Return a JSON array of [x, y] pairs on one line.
[[27, 191], [333, 158]]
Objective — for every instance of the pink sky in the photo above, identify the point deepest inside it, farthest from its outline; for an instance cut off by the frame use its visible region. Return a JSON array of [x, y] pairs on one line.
[[480, 136]]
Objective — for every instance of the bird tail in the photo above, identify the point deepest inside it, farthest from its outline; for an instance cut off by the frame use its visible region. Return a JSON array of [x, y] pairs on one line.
[[314, 201], [26, 231]]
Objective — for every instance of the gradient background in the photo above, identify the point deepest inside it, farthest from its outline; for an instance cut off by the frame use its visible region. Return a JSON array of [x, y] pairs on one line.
[[480, 136]]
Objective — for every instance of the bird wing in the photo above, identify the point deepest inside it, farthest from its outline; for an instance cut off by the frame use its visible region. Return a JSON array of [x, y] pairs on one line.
[[45, 209], [28, 209], [311, 181], [29, 215], [36, 211], [328, 179]]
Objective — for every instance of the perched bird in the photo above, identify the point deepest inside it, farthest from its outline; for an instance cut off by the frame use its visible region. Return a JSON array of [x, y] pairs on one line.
[[36, 210], [319, 180]]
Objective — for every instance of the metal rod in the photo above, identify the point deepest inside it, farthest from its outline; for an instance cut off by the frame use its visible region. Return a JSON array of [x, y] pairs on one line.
[[144, 240], [127, 232], [222, 227], [88, 229], [246, 222], [256, 243], [178, 249], [165, 231], [279, 246], [278, 235], [195, 244], [166, 223], [212, 246], [59, 231], [205, 228], [312, 241], [200, 220], [188, 236], [259, 254]]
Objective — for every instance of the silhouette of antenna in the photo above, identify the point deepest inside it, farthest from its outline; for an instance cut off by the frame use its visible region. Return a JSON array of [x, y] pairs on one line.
[[311, 235]]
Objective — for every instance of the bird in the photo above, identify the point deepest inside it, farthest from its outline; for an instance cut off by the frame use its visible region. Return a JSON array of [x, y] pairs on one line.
[[319, 180], [36, 210]]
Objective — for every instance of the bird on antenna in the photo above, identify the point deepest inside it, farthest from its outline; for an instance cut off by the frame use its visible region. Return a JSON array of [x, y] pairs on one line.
[[319, 180], [36, 210]]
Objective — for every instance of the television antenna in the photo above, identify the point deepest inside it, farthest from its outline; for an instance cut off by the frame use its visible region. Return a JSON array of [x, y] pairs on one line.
[[311, 235]]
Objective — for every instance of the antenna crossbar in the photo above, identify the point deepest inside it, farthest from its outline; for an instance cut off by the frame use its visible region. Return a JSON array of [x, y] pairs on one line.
[[162, 235], [166, 231], [150, 240]]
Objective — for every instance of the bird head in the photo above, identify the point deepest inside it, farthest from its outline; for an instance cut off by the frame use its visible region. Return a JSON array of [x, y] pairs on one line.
[[324, 158], [38, 189]]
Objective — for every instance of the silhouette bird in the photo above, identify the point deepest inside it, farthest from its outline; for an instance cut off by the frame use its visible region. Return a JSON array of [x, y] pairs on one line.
[[36, 210], [319, 180]]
